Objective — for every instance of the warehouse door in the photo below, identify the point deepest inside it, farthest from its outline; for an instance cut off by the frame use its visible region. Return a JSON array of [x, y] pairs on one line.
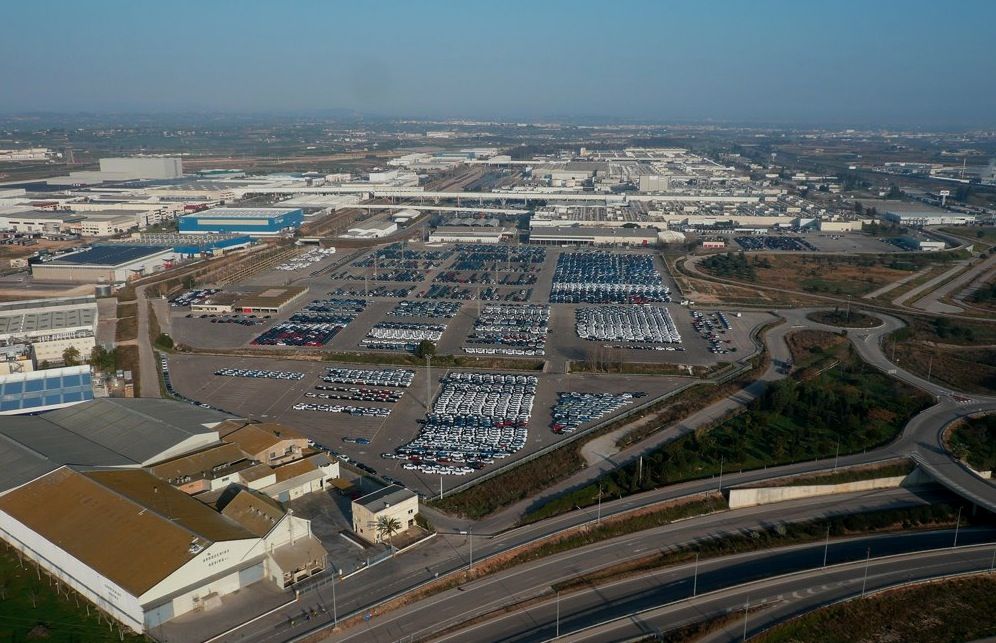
[[251, 575]]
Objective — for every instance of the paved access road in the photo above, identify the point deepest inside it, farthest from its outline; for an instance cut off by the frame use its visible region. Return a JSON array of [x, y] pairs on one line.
[[450, 551], [526, 585], [776, 599]]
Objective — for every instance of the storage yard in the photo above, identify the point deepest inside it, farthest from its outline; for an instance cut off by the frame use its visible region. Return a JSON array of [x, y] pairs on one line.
[[614, 304], [275, 399]]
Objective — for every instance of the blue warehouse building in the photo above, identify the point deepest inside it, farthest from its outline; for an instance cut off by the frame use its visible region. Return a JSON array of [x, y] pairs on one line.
[[255, 222]]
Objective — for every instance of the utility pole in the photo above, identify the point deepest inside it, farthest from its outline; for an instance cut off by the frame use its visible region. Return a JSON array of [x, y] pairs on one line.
[[440, 486], [598, 516], [722, 459], [470, 541], [864, 583], [826, 546], [836, 455], [957, 525], [639, 479]]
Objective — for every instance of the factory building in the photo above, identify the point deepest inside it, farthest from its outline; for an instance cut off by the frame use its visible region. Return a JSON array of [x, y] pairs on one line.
[[50, 326], [372, 230], [270, 301], [31, 221], [255, 222], [918, 215], [922, 245], [52, 388], [591, 236], [105, 264], [156, 552], [129, 168], [470, 234]]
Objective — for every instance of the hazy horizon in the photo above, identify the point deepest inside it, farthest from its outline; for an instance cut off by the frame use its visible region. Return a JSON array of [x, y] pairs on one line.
[[910, 64]]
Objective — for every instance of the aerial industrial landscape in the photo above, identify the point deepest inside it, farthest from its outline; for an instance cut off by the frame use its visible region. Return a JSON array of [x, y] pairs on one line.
[[411, 372]]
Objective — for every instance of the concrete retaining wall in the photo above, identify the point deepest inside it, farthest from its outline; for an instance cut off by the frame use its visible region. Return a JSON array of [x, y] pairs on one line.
[[767, 495]]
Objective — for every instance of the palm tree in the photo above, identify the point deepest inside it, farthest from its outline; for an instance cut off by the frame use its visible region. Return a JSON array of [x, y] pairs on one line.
[[387, 526]]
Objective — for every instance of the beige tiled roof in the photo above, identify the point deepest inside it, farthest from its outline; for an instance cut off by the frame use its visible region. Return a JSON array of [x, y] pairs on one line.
[[254, 511]]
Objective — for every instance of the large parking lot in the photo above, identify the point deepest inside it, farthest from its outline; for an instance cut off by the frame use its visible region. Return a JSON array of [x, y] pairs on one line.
[[353, 306], [269, 399]]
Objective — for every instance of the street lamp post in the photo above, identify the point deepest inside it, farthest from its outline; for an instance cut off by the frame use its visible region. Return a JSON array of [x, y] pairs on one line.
[[695, 578], [558, 615], [957, 525], [746, 612], [335, 611], [826, 546], [864, 583]]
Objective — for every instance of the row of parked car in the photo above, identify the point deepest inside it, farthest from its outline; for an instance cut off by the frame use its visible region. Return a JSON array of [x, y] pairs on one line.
[[476, 418], [192, 297], [399, 255], [376, 291], [644, 324], [260, 374], [301, 262], [355, 397], [362, 411], [499, 257], [710, 327], [765, 242], [488, 278], [292, 333], [406, 331], [352, 394], [574, 293], [420, 308], [336, 305], [398, 377], [510, 330], [573, 410], [236, 319], [606, 268]]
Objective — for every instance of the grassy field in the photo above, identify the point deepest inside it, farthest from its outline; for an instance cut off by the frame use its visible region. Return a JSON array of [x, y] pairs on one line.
[[31, 608], [974, 441], [954, 610], [851, 405], [844, 318], [854, 275], [958, 353], [984, 234]]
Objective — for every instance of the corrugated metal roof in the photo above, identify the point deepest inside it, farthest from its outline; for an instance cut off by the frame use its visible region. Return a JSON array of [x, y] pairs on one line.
[[140, 428], [115, 524]]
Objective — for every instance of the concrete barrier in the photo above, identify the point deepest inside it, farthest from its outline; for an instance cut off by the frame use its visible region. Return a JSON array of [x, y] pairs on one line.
[[767, 495]]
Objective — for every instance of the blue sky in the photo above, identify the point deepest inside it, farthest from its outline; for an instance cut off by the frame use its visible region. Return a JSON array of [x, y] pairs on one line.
[[903, 62]]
